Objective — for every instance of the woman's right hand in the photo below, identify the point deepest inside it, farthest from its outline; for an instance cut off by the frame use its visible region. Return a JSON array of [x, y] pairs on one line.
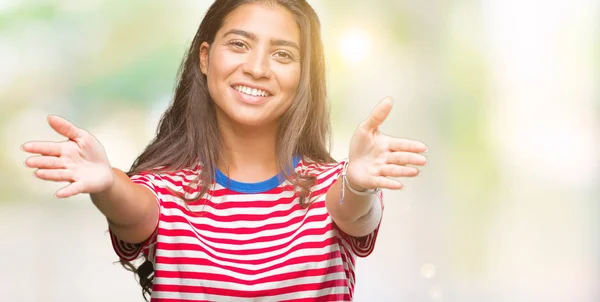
[[80, 160]]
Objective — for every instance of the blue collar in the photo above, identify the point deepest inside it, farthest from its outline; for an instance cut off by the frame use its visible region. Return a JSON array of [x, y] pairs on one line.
[[253, 187]]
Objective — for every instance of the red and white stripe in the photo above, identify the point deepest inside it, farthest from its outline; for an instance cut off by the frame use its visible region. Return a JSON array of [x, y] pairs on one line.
[[242, 247]]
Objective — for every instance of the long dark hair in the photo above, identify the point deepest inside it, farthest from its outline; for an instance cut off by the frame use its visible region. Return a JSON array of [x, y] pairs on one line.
[[188, 132]]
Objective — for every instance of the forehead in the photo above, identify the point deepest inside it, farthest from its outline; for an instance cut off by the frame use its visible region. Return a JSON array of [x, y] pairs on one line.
[[265, 21]]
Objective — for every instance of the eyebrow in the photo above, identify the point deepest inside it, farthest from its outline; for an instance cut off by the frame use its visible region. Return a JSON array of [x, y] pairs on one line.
[[251, 36]]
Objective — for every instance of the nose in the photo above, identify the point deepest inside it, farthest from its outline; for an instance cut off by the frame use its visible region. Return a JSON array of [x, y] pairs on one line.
[[257, 65]]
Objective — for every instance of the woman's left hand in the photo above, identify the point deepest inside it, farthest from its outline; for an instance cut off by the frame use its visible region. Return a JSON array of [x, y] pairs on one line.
[[375, 158]]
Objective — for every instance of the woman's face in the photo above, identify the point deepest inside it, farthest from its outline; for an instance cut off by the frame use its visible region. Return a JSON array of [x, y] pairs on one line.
[[253, 65]]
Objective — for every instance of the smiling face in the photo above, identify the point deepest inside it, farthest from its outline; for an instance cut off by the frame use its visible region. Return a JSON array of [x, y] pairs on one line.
[[253, 66]]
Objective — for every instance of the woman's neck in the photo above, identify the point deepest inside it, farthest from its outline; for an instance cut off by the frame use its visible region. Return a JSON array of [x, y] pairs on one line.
[[249, 153]]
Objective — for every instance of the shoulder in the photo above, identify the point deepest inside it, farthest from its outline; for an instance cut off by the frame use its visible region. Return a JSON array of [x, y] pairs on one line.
[[165, 176], [310, 167]]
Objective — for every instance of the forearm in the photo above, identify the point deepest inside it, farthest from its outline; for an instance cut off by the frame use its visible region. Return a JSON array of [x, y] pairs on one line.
[[358, 215], [124, 204]]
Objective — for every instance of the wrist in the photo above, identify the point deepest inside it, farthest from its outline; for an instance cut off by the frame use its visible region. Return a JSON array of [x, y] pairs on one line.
[[107, 186], [349, 179], [112, 179], [352, 185], [354, 189]]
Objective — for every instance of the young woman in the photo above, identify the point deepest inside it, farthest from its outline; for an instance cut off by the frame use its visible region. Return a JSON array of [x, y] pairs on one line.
[[237, 197]]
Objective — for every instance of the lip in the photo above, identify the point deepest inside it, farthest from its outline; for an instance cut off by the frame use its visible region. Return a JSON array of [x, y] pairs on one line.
[[249, 99], [252, 86]]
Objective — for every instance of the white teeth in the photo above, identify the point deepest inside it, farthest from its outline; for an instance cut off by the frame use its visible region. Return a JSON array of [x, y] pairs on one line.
[[251, 91]]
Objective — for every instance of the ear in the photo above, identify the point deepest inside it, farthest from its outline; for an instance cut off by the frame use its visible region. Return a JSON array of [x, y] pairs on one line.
[[204, 50]]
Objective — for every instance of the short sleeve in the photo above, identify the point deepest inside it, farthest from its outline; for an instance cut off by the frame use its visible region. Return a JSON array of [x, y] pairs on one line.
[[363, 246], [131, 251]]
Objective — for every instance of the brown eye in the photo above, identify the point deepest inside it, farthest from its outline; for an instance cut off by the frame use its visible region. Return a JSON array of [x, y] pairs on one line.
[[238, 44], [285, 55]]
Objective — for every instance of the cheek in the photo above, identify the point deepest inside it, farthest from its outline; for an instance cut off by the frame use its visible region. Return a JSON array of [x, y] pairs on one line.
[[290, 80], [217, 75], [211, 80], [221, 65], [290, 84]]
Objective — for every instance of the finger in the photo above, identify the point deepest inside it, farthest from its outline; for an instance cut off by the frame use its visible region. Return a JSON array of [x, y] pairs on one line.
[[44, 162], [406, 158], [64, 127], [70, 190], [379, 114], [403, 144], [43, 148], [397, 171], [54, 174], [386, 183]]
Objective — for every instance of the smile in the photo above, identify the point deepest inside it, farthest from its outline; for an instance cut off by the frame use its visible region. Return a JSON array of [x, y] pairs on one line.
[[251, 91]]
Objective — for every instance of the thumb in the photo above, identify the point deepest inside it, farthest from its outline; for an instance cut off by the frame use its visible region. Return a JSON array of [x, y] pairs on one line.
[[64, 127], [379, 114]]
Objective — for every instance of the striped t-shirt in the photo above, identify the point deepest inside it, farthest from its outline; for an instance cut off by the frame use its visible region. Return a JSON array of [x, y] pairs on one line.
[[248, 241]]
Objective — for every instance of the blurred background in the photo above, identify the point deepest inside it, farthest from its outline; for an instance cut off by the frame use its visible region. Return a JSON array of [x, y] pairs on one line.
[[504, 92]]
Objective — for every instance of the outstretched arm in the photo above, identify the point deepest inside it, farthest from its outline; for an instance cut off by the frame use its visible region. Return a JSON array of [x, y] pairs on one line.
[[131, 209], [374, 159]]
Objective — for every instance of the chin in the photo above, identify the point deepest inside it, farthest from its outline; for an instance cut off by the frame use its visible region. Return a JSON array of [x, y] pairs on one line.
[[251, 121]]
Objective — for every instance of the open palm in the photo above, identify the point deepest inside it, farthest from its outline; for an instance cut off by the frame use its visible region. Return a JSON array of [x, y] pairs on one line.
[[375, 159], [80, 160]]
